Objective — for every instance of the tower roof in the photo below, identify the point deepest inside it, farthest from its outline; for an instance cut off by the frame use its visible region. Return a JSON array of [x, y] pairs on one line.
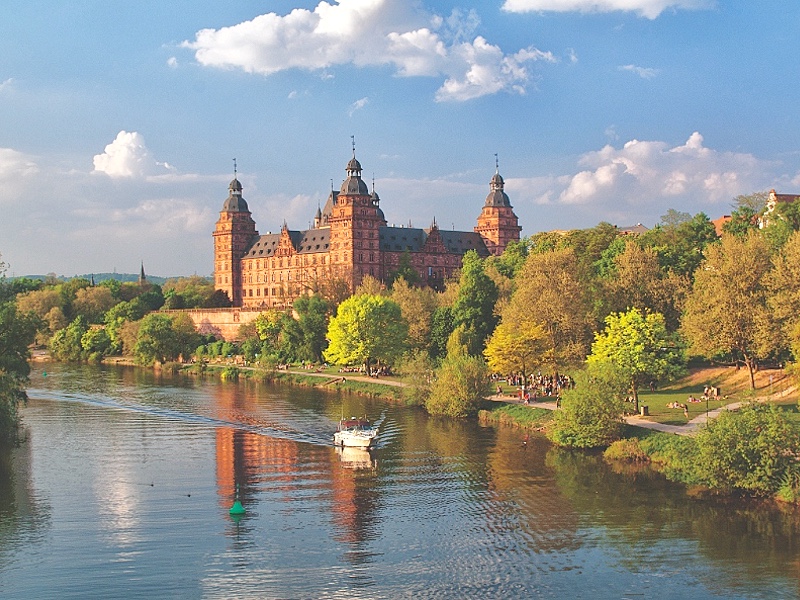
[[354, 185], [234, 201], [497, 197]]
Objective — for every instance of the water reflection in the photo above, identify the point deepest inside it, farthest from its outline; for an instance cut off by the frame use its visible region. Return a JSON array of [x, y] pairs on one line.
[[130, 477]]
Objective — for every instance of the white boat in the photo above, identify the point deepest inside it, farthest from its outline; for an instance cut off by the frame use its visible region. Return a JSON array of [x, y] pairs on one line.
[[355, 432]]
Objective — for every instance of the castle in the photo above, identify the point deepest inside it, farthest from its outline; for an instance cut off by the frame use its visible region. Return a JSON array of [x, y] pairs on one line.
[[349, 240]]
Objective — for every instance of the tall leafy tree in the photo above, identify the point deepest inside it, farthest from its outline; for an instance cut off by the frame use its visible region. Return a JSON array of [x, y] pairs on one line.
[[551, 292], [16, 334], [459, 385], [312, 320], [366, 329], [417, 305], [516, 348], [474, 305], [783, 297], [726, 313], [639, 347]]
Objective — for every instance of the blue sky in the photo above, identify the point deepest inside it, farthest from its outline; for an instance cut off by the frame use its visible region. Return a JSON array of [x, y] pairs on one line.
[[119, 120]]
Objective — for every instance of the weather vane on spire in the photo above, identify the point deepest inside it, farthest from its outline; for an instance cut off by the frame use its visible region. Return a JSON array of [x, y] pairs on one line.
[[496, 163], [353, 140], [234, 168]]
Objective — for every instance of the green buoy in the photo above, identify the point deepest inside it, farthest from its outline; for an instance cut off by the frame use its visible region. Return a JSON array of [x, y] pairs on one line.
[[237, 510]]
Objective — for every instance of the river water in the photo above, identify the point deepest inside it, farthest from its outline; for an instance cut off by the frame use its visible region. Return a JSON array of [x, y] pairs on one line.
[[123, 490]]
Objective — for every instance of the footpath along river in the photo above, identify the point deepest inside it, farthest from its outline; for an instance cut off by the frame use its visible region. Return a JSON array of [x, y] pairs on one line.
[[123, 486]]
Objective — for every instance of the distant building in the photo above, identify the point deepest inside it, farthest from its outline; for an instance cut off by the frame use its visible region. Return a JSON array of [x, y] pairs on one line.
[[637, 229], [349, 240], [720, 223], [772, 203]]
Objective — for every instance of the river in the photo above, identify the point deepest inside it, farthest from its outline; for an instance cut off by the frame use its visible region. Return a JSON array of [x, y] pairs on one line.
[[123, 490]]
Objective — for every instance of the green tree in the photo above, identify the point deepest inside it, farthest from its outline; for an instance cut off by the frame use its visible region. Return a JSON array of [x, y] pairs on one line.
[[93, 302], [312, 320], [726, 313], [157, 340], [366, 328], [744, 220], [441, 328], [749, 449], [474, 305], [16, 334], [459, 385], [591, 412], [516, 347], [96, 343], [639, 347], [66, 343]]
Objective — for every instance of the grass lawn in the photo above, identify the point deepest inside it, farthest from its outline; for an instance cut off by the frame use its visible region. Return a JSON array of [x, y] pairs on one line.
[[735, 386]]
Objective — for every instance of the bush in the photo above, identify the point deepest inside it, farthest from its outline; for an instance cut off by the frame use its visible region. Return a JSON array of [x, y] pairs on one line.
[[591, 412], [229, 374], [751, 449], [459, 386]]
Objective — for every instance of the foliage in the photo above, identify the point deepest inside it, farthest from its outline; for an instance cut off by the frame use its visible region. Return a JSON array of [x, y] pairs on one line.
[[459, 385], [511, 261], [441, 328], [515, 415], [280, 334], [417, 306], [744, 221], [66, 343], [366, 328], [639, 347], [474, 306], [516, 347], [162, 338], [551, 292], [312, 320], [783, 285], [726, 312], [750, 449], [95, 342], [417, 369], [16, 334], [405, 270], [627, 450], [93, 302], [591, 412]]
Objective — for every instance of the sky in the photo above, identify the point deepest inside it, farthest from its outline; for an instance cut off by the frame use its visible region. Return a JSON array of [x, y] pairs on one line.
[[119, 121]]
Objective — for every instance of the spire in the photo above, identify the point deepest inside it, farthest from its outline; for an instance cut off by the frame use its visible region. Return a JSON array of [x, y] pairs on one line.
[[496, 164], [142, 276], [234, 167], [353, 141]]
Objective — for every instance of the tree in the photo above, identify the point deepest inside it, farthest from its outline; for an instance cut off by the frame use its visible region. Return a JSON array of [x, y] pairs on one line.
[[551, 292], [312, 319], [441, 328], [405, 270], [474, 306], [159, 340], [366, 328], [66, 343], [744, 220], [417, 306], [726, 312], [749, 449], [591, 412], [459, 385], [516, 348], [783, 293], [16, 334], [755, 202], [639, 347], [93, 302]]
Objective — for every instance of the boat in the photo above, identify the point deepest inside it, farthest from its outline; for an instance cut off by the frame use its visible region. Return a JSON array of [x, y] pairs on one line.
[[355, 432]]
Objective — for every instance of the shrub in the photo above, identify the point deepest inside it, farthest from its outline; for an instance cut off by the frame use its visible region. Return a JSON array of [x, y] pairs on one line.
[[459, 386], [629, 450]]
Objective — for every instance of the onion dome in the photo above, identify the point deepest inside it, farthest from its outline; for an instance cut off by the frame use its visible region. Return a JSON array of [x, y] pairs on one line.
[[235, 202], [354, 185], [497, 197]]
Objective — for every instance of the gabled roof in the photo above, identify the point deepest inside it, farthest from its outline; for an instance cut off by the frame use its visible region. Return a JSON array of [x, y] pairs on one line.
[[305, 242], [400, 239]]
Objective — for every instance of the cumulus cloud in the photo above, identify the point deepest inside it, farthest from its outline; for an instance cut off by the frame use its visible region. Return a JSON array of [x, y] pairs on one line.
[[6, 84], [371, 33], [128, 156], [16, 165], [643, 172], [650, 9], [643, 72]]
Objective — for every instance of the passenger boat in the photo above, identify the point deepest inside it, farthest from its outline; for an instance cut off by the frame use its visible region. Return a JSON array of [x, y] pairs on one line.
[[355, 432]]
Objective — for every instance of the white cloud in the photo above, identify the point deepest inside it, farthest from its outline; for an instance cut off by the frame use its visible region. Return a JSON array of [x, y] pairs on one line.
[[645, 8], [6, 84], [127, 156], [358, 105], [370, 33], [642, 173], [16, 165], [643, 72], [172, 62]]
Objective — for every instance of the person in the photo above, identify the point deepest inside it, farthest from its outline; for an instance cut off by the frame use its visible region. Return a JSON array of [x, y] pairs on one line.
[[686, 410]]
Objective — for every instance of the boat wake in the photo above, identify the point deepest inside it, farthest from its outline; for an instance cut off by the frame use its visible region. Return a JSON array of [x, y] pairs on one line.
[[253, 425]]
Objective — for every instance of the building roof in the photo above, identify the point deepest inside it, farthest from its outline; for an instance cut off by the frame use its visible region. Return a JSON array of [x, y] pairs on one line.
[[497, 197], [305, 242], [637, 229], [235, 202], [411, 239]]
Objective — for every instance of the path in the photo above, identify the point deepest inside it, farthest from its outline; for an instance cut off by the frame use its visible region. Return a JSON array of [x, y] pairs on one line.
[[347, 376]]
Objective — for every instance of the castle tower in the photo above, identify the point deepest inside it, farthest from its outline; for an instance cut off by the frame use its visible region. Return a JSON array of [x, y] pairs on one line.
[[233, 235], [497, 223], [355, 222]]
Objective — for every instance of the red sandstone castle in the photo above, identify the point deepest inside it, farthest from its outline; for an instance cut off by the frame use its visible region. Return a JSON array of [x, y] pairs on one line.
[[350, 239]]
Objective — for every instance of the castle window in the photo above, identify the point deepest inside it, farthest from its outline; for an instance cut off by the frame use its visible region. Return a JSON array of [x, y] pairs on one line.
[[258, 291]]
